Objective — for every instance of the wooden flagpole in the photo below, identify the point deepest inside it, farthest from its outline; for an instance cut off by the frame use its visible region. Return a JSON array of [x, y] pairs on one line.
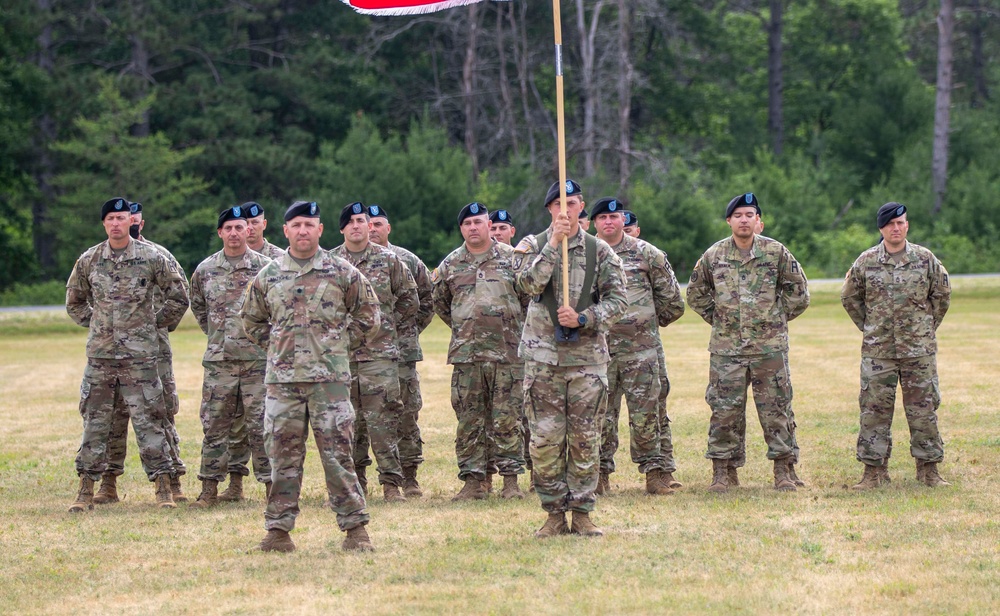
[[561, 139]]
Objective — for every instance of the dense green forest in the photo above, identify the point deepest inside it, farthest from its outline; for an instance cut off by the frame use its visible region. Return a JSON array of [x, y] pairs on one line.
[[824, 108]]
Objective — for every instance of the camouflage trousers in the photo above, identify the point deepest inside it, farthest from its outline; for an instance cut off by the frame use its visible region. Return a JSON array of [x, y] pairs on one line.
[[488, 436], [377, 405], [919, 381], [636, 378], [727, 396], [131, 387], [239, 447], [411, 447], [289, 410], [666, 438], [517, 399], [231, 390], [565, 406], [740, 459], [118, 441]]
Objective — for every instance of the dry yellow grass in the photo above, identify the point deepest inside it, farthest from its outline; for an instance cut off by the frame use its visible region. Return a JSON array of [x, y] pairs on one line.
[[823, 550]]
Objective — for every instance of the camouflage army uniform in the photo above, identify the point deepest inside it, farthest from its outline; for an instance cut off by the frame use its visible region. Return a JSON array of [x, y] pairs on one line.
[[898, 306], [374, 370], [239, 440], [654, 301], [748, 302], [308, 316], [113, 297], [118, 440], [411, 450], [233, 385], [566, 384], [475, 296]]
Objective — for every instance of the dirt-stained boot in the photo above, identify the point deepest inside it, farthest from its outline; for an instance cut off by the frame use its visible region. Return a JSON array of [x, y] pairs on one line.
[[84, 497], [164, 496], [870, 480], [209, 496], [655, 484], [733, 475], [793, 477], [554, 526], [234, 491], [362, 472], [108, 492], [277, 541], [411, 488], [357, 539], [781, 480], [392, 494], [510, 488], [488, 484], [176, 493], [931, 477], [883, 473], [720, 476], [472, 490], [604, 485], [667, 479], [582, 525]]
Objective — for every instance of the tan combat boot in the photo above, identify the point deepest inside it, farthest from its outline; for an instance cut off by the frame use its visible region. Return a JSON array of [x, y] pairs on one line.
[[362, 473], [667, 478], [931, 477], [793, 477], [782, 482], [175, 489], [472, 490], [604, 485], [510, 488], [357, 539], [655, 484], [84, 497], [870, 480], [209, 496], [277, 541], [582, 525], [554, 526], [531, 488], [411, 488], [883, 473], [720, 476], [164, 496], [488, 484], [234, 491], [392, 494], [733, 476], [108, 492]]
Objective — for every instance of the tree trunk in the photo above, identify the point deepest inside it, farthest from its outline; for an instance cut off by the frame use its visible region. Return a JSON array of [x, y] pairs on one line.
[[468, 88], [775, 83], [942, 111], [588, 55], [521, 54], [42, 237], [507, 122], [980, 89], [625, 75], [139, 64]]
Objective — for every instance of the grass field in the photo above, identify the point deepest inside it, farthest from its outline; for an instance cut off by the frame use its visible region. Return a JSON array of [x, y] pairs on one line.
[[824, 550]]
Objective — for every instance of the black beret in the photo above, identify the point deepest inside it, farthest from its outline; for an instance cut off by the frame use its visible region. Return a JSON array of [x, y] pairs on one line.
[[252, 209], [572, 188], [118, 204], [237, 212], [888, 212], [606, 204], [135, 208], [502, 216], [631, 219], [350, 210], [307, 209], [583, 214], [472, 209], [744, 200], [377, 211]]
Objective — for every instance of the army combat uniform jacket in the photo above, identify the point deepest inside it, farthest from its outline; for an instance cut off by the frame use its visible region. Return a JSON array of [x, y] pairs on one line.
[[409, 330]]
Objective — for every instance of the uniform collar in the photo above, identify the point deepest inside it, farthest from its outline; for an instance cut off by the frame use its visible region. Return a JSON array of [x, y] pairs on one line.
[[108, 253], [885, 257]]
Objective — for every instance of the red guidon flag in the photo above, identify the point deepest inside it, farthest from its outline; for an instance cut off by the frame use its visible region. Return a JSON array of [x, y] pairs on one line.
[[404, 7]]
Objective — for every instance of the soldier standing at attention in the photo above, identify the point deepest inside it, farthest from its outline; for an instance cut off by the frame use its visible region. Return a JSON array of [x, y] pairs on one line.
[[308, 307], [110, 292], [374, 366], [631, 228], [233, 385], [502, 227], [566, 359], [474, 295], [411, 447], [256, 223], [748, 287], [654, 301], [897, 293]]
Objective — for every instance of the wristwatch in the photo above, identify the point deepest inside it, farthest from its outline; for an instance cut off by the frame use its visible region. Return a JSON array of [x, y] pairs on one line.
[[581, 319]]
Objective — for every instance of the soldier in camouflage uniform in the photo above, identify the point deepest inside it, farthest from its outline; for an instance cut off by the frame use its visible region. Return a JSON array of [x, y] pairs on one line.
[[239, 440], [502, 227], [233, 385], [118, 440], [374, 370], [411, 447], [631, 227], [474, 295], [748, 287], [110, 291], [897, 293], [566, 358], [654, 301], [308, 308]]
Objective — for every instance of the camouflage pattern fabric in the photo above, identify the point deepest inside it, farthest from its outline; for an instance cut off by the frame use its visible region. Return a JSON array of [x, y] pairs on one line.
[[217, 290], [291, 409], [377, 405], [666, 438], [411, 445], [634, 377], [488, 437], [232, 389], [270, 251]]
